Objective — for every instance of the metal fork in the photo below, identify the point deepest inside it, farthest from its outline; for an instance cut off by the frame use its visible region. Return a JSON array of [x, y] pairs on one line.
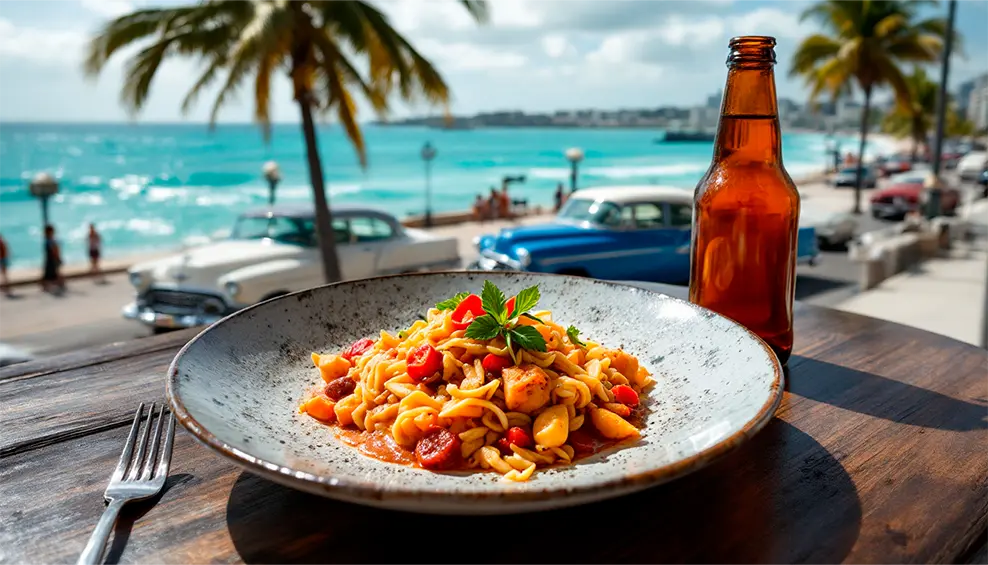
[[143, 479]]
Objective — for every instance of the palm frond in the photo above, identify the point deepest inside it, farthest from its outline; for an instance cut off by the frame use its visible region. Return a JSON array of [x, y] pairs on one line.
[[478, 9], [346, 112], [141, 70], [334, 60], [217, 64], [123, 31], [811, 51]]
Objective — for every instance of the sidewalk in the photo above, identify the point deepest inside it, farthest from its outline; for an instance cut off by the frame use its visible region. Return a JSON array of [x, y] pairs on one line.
[[942, 295]]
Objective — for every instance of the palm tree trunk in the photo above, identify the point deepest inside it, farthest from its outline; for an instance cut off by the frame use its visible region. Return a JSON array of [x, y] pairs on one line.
[[859, 176], [324, 218], [915, 153]]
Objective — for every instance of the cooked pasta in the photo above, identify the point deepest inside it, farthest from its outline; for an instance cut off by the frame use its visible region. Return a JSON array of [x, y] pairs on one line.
[[477, 385]]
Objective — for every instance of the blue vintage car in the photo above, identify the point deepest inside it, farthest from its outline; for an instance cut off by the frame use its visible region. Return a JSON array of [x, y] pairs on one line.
[[617, 233]]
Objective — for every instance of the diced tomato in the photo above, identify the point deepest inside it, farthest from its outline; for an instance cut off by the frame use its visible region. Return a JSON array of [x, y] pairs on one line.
[[424, 362], [625, 395], [503, 446], [509, 306], [518, 436], [358, 348], [471, 307], [494, 363]]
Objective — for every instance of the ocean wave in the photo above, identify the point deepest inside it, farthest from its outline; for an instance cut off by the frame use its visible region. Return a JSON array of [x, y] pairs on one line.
[[86, 199], [143, 226], [549, 173], [304, 191], [214, 178], [89, 180]]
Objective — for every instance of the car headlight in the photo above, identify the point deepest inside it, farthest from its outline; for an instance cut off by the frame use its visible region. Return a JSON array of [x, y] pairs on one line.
[[136, 279], [523, 256], [232, 289]]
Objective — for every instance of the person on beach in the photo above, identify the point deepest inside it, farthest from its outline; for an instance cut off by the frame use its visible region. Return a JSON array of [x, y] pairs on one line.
[[95, 246], [494, 204], [52, 277], [559, 197], [4, 260], [479, 208]]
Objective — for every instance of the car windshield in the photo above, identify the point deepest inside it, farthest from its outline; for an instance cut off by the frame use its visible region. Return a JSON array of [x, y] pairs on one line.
[[581, 210], [295, 231]]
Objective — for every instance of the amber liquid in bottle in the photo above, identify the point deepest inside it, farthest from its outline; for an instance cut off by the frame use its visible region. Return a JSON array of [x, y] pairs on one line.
[[746, 213]]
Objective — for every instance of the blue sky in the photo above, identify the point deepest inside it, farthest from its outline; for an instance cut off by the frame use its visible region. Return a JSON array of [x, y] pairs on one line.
[[536, 55]]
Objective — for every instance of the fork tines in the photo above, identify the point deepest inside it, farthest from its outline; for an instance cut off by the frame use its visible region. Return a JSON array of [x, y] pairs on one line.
[[141, 467]]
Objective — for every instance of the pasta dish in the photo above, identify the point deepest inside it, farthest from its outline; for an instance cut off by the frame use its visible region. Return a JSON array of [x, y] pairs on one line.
[[483, 382]]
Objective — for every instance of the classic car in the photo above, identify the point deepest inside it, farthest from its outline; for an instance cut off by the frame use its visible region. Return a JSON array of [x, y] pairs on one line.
[[904, 194], [834, 229], [848, 177], [616, 233], [970, 166], [273, 251]]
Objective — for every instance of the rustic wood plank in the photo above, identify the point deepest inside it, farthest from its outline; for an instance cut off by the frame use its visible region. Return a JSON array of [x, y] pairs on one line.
[[91, 357], [876, 455], [48, 407]]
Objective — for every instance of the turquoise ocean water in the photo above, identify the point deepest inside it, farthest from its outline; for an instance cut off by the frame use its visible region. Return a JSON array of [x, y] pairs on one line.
[[149, 187]]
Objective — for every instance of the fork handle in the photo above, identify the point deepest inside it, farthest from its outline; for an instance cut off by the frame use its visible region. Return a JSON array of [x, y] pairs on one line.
[[93, 552]]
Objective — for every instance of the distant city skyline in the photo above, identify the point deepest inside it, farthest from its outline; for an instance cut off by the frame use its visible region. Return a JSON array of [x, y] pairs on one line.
[[535, 56]]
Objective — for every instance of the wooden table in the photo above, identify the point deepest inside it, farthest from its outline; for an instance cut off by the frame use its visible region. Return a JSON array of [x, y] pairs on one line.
[[879, 453]]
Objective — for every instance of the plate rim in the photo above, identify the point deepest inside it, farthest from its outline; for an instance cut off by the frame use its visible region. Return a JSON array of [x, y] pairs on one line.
[[379, 495]]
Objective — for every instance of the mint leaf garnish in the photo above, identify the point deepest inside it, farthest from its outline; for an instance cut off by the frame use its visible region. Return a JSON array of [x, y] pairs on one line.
[[452, 303]]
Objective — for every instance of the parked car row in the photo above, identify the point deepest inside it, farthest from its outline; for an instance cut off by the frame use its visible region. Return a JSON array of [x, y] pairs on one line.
[[904, 194], [614, 233]]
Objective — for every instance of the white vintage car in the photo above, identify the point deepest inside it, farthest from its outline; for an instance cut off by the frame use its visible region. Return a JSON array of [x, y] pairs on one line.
[[274, 251]]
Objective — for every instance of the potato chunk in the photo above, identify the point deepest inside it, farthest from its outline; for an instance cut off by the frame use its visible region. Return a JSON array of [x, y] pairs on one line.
[[331, 367], [611, 425], [551, 427], [526, 388]]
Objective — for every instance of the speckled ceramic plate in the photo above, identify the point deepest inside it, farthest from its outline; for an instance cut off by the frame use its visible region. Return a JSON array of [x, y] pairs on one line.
[[236, 387]]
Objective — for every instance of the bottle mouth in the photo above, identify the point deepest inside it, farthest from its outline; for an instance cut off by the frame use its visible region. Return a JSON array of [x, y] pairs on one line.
[[751, 49]]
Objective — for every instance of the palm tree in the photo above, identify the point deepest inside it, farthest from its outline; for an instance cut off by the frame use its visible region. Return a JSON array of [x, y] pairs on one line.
[[313, 42], [914, 118], [868, 41]]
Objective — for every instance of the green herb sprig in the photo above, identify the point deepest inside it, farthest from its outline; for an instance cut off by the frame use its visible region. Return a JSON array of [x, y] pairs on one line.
[[497, 321]]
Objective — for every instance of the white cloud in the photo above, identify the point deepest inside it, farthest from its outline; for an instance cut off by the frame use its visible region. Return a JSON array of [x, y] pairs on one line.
[[44, 46], [469, 57], [557, 46], [678, 30], [108, 8], [771, 21]]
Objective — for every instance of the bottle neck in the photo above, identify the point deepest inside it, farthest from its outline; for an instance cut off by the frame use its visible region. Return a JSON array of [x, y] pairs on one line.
[[749, 116]]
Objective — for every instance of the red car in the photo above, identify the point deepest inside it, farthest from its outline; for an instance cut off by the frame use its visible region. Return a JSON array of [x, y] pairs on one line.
[[894, 165], [894, 202]]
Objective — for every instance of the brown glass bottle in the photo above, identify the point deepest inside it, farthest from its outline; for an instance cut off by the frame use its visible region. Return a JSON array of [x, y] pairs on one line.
[[745, 221]]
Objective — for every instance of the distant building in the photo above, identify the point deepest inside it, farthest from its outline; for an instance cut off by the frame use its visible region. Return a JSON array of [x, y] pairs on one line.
[[964, 96], [848, 112], [977, 108], [713, 101]]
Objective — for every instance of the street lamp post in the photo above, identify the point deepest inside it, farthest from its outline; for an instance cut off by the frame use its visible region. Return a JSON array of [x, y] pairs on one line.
[[44, 186], [574, 155], [428, 154], [936, 194], [273, 173]]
